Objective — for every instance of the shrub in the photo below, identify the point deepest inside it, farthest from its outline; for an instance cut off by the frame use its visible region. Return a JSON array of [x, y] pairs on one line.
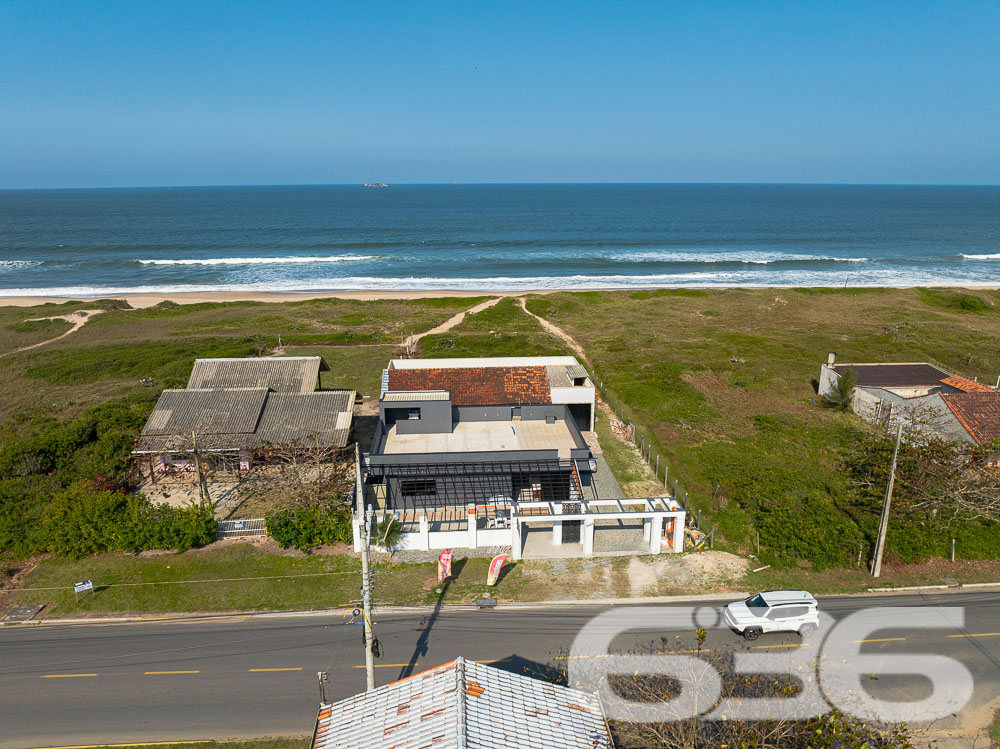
[[80, 520], [307, 527]]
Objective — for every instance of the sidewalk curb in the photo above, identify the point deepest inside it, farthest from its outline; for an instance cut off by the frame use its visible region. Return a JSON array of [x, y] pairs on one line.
[[457, 607]]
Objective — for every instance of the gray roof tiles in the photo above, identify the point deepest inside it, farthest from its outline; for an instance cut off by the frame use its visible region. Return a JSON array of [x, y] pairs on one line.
[[240, 404], [287, 374]]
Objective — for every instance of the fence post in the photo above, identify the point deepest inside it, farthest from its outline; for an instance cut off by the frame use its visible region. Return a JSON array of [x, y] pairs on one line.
[[953, 550]]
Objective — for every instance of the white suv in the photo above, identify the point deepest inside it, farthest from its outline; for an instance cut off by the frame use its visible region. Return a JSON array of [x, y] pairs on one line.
[[773, 611]]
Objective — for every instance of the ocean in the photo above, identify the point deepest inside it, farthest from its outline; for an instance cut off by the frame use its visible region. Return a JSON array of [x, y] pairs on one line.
[[494, 237]]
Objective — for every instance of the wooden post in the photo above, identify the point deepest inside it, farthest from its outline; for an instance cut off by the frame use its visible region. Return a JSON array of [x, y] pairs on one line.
[[699, 517], [657, 471], [883, 526], [953, 550], [758, 544]]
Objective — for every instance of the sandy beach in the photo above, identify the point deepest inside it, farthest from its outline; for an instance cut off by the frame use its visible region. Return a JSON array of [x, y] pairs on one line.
[[140, 301]]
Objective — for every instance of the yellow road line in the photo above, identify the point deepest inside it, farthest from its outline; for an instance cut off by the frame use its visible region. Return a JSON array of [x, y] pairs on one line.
[[767, 647], [402, 665], [980, 634], [884, 639], [164, 673], [260, 670], [65, 676], [148, 743]]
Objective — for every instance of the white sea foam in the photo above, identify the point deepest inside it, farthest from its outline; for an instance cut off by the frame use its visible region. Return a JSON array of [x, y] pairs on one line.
[[10, 264], [993, 256], [261, 260], [747, 258], [731, 279]]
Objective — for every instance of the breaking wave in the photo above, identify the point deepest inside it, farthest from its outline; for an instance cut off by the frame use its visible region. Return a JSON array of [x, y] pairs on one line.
[[745, 258], [261, 260], [993, 256]]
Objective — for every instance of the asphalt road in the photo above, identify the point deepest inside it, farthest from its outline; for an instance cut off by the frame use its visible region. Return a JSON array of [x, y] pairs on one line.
[[232, 677]]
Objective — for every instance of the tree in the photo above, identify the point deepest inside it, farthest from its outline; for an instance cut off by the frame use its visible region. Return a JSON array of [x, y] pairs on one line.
[[305, 473], [843, 395], [935, 477]]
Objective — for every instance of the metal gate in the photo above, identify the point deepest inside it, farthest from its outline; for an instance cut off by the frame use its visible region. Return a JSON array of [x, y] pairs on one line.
[[571, 528], [247, 528]]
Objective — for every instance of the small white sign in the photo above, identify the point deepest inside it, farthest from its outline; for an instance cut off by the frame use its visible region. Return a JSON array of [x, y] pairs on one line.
[[83, 586]]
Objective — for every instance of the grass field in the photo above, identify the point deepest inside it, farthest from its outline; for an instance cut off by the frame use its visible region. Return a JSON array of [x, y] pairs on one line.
[[719, 381], [115, 351], [722, 383]]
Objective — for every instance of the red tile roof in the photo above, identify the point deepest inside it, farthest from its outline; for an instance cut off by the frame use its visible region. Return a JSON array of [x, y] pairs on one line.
[[478, 386], [966, 385], [979, 413]]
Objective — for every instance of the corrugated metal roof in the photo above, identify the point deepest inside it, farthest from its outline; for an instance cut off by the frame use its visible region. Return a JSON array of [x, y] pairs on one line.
[[234, 411], [465, 704], [246, 419], [306, 417], [285, 374], [395, 396]]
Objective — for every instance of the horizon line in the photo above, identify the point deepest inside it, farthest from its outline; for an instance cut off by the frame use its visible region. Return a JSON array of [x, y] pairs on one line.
[[502, 184]]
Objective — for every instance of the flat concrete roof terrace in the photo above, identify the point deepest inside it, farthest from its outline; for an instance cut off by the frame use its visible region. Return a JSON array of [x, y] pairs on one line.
[[485, 436]]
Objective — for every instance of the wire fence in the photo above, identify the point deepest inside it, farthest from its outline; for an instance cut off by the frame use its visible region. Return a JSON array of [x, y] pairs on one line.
[[639, 437]]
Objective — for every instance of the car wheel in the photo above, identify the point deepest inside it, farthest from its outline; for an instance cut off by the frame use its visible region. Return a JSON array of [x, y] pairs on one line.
[[751, 633], [807, 629]]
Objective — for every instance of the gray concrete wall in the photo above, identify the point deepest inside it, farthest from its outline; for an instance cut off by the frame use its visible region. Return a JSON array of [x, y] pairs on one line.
[[435, 416]]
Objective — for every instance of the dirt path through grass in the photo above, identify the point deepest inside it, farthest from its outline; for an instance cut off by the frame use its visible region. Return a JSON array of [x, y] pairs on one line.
[[451, 322], [76, 319], [555, 330]]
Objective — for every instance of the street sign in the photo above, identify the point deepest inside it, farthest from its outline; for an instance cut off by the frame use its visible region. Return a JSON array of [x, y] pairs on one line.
[[83, 587], [495, 566]]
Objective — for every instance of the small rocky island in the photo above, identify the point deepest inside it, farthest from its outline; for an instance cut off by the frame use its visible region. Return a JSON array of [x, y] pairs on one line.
[[376, 184]]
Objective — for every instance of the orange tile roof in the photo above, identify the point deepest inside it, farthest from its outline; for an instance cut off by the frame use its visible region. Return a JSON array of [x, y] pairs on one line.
[[966, 385], [478, 386], [979, 413]]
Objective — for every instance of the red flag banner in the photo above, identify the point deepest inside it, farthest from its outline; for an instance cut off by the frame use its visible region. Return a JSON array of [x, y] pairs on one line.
[[495, 566]]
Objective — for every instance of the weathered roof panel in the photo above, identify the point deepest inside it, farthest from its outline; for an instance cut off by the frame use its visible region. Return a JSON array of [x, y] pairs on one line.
[[237, 419], [283, 374], [465, 704], [234, 411]]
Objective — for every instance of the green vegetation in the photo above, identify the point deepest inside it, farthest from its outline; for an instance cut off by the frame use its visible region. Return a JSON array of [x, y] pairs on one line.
[[305, 528], [72, 409], [241, 577], [500, 330], [726, 398]]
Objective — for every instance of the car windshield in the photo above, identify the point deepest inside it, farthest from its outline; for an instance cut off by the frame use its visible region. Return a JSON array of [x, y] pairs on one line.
[[756, 605]]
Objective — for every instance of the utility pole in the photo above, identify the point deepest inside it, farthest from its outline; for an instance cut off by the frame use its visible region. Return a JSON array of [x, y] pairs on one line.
[[365, 518], [883, 525]]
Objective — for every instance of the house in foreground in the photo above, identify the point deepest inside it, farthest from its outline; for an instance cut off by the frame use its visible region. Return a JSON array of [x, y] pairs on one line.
[[234, 410], [464, 704], [920, 394], [481, 452]]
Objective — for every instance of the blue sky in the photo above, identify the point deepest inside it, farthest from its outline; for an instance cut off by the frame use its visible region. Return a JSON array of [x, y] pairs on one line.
[[183, 93]]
